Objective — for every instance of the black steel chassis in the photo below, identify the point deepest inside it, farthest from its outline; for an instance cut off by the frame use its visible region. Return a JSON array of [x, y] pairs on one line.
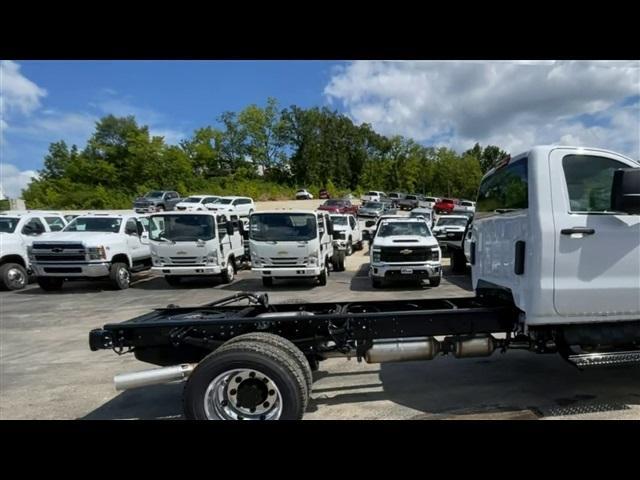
[[171, 335]]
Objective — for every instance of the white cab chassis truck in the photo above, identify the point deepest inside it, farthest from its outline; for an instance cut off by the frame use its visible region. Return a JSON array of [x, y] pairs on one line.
[[555, 259], [290, 244], [95, 246], [188, 244]]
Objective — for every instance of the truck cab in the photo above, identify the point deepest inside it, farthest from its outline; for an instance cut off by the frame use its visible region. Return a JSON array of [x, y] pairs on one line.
[[96, 246], [404, 249], [291, 244], [557, 231], [18, 230], [188, 244]]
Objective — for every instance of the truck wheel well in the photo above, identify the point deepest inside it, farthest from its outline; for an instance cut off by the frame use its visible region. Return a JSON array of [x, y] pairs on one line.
[[121, 257], [13, 259]]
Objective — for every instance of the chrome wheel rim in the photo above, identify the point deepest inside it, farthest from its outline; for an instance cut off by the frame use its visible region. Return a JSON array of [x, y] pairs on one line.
[[230, 271], [15, 278], [243, 394], [123, 276]]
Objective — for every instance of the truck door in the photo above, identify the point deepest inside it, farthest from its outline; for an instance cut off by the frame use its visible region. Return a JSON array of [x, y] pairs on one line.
[[134, 243], [236, 240], [597, 251], [223, 237], [355, 228]]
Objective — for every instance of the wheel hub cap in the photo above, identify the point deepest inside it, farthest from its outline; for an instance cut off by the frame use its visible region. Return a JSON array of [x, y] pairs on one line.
[[15, 277], [243, 394]]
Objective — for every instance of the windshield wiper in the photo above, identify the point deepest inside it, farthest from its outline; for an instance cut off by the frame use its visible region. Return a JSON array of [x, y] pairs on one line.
[[165, 239]]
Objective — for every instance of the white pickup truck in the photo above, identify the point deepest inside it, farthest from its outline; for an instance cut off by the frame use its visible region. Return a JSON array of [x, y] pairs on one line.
[[347, 233], [404, 249], [95, 246], [186, 244], [17, 231]]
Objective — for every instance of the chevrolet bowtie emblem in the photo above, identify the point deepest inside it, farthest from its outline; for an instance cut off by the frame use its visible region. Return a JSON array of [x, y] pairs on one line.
[[406, 251], [181, 253], [56, 250]]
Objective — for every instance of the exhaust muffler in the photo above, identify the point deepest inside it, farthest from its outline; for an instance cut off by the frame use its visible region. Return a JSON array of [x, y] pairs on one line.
[[402, 350], [155, 376]]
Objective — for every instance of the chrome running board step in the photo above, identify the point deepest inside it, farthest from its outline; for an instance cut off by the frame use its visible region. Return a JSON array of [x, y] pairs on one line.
[[605, 358]]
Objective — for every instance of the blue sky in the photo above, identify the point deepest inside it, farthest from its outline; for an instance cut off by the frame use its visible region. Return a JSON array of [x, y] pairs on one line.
[[454, 104]]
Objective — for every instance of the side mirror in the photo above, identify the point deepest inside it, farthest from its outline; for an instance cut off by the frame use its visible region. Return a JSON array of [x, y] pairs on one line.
[[369, 223], [140, 230], [625, 191], [330, 227], [229, 228]]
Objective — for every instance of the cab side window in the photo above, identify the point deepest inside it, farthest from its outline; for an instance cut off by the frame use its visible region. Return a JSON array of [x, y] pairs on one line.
[[589, 180], [131, 228], [353, 223], [506, 189], [33, 227], [55, 223]]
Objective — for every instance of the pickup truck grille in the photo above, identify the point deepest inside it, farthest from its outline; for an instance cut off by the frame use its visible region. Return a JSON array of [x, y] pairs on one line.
[[286, 262], [59, 252], [407, 254]]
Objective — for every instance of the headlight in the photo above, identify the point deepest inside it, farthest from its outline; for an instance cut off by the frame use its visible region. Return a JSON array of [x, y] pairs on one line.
[[157, 261], [313, 258], [30, 253], [212, 258], [97, 253], [375, 257]]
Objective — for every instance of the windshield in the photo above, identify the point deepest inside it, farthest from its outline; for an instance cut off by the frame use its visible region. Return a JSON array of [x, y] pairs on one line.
[[8, 224], [224, 201], [181, 228], [338, 203], [411, 197], [430, 199], [339, 220], [445, 200], [459, 222], [192, 200], [466, 204], [283, 227], [404, 228], [94, 224], [375, 194], [153, 195], [374, 205]]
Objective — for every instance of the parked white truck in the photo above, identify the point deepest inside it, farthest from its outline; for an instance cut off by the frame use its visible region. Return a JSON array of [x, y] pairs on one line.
[[347, 233], [555, 256], [187, 244], [18, 230], [292, 244], [96, 246], [404, 249]]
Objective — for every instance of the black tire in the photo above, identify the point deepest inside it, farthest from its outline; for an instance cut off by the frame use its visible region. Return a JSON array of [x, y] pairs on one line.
[[173, 280], [264, 358], [50, 284], [435, 281], [322, 278], [349, 251], [228, 273], [284, 344], [120, 276], [377, 282], [339, 264], [13, 276], [458, 261], [160, 208], [360, 245], [267, 281]]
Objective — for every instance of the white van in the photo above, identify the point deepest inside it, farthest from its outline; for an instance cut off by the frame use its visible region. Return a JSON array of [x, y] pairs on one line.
[[185, 244]]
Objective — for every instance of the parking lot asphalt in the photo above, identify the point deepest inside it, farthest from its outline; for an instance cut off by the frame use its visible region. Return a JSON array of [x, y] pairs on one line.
[[48, 372]]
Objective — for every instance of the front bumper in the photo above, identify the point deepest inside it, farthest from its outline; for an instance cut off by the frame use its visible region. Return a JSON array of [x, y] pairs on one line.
[[190, 270], [289, 272], [149, 209], [406, 272], [91, 270]]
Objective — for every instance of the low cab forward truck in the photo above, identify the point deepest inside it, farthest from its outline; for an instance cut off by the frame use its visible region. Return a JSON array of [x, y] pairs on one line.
[[555, 258]]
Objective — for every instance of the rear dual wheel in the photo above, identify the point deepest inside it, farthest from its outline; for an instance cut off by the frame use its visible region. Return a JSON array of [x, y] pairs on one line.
[[253, 377]]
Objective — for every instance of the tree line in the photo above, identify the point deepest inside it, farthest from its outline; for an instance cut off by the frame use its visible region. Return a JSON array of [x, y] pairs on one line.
[[263, 152]]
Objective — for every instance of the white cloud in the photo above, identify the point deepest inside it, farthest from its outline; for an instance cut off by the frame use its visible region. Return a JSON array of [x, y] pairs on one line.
[[17, 92], [13, 180], [514, 104]]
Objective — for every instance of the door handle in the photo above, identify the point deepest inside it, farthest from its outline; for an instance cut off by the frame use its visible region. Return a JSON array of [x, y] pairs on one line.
[[583, 230]]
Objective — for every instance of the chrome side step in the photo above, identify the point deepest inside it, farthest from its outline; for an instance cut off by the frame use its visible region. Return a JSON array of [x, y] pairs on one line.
[[605, 358]]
